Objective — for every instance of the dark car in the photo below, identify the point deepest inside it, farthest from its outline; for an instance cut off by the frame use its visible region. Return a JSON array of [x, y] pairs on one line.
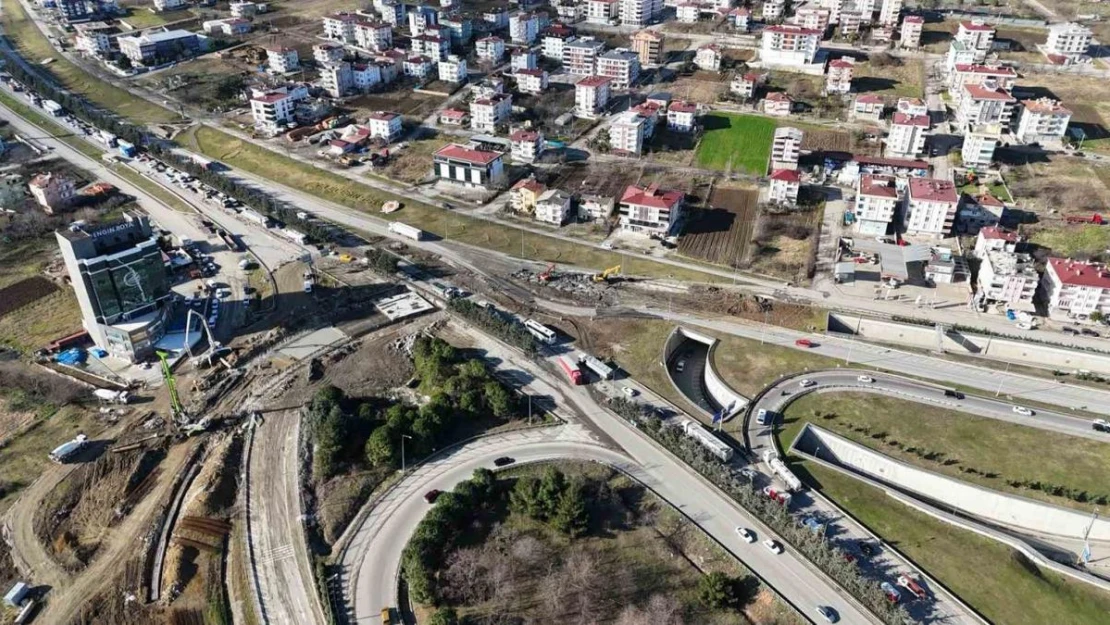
[[503, 461], [953, 394], [1070, 330], [432, 495], [1088, 332]]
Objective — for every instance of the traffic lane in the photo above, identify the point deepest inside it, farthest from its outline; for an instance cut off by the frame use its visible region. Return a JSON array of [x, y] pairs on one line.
[[396, 518]]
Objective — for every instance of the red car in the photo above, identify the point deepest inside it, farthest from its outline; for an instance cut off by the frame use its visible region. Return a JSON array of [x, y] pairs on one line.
[[432, 495], [805, 343]]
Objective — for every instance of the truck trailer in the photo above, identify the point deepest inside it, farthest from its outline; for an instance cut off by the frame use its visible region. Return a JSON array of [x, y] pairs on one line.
[[65, 451], [111, 397], [722, 450], [604, 371], [407, 231], [570, 368], [771, 457]]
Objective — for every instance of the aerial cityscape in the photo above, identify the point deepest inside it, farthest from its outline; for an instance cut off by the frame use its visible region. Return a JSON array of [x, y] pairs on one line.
[[575, 312]]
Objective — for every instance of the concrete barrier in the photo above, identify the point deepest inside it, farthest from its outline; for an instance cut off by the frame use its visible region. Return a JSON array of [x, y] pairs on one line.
[[1006, 510], [721, 393], [960, 342]]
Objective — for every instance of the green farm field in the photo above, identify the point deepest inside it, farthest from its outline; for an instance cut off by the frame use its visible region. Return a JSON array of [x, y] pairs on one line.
[[736, 142]]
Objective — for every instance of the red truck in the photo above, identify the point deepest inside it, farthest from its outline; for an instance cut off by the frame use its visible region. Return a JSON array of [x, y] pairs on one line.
[[571, 369], [777, 496], [907, 582]]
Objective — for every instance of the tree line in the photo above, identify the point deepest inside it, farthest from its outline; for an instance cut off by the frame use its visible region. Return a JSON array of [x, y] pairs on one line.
[[502, 326]]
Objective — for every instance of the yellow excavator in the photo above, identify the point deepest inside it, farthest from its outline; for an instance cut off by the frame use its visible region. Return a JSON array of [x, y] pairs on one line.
[[604, 276]]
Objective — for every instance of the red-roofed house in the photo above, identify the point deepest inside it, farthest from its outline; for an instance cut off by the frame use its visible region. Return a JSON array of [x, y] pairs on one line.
[[1074, 290], [931, 206], [591, 96], [983, 105], [489, 114], [469, 166], [839, 79], [778, 104], [527, 145], [907, 135], [708, 58], [912, 26], [453, 117], [785, 184], [524, 195], [273, 110], [650, 210], [744, 86], [1041, 120], [868, 107], [876, 201], [973, 74], [531, 80], [983, 211], [995, 238], [682, 116], [385, 126]]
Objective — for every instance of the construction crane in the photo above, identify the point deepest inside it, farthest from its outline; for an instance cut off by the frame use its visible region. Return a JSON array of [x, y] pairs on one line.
[[171, 383], [546, 275], [608, 273]]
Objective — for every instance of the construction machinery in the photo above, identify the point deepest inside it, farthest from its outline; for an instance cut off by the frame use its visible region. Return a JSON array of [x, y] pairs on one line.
[[171, 384], [604, 276], [546, 275]]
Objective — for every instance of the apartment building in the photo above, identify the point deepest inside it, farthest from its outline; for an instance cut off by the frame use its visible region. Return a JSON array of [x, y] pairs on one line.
[[526, 145], [524, 28], [626, 134], [491, 113], [602, 11], [868, 107], [591, 96], [1009, 279], [490, 49], [931, 206], [987, 75], [282, 59], [337, 79], [524, 195], [889, 12], [985, 105], [786, 148], [639, 12], [839, 78], [773, 10], [418, 67], [789, 45], [555, 39], [522, 59], [622, 66], [785, 185], [341, 27], [682, 117], [1068, 41], [92, 39], [976, 35], [744, 85], [328, 53], [708, 58], [376, 36], [876, 202], [580, 56], [553, 207], [906, 138], [385, 125], [648, 45], [53, 192], [995, 238], [453, 69], [979, 145], [531, 80], [469, 166], [460, 30], [740, 18], [159, 47], [912, 27], [1041, 120], [778, 104], [812, 18], [982, 211], [273, 110], [651, 210], [1074, 290]]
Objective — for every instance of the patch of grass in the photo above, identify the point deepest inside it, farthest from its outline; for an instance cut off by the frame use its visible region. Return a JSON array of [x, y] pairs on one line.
[[24, 458], [1071, 241], [959, 441], [989, 576], [736, 142], [24, 259], [997, 189], [906, 79], [33, 46], [143, 18], [447, 224], [34, 325]]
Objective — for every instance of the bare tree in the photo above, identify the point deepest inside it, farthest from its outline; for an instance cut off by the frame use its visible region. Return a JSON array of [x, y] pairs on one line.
[[660, 609], [466, 578]]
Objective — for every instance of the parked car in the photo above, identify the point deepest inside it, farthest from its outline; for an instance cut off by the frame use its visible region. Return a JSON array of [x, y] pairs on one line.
[[866, 379], [773, 545], [503, 461], [1022, 410], [1070, 330], [432, 495], [745, 534], [628, 390], [1089, 332]]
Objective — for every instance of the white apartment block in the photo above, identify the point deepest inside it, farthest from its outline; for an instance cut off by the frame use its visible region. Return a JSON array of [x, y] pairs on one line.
[[522, 59], [365, 76], [337, 79], [912, 27], [591, 95], [602, 11], [888, 14], [687, 12], [432, 46], [489, 114], [621, 65], [553, 207], [524, 28], [812, 18], [92, 41], [419, 67], [1008, 278], [420, 18], [773, 10], [531, 80], [1041, 120], [906, 138], [744, 85], [273, 110], [376, 36], [626, 133], [983, 105], [526, 145], [682, 117], [868, 107], [786, 148], [972, 74], [976, 35], [580, 56], [341, 27], [839, 78], [553, 45], [785, 185], [979, 145], [931, 206], [789, 45], [282, 60], [960, 54], [639, 12], [385, 126], [1068, 40], [328, 53], [453, 69], [876, 202], [994, 238], [651, 210], [490, 49], [708, 58], [168, 5], [1075, 289]]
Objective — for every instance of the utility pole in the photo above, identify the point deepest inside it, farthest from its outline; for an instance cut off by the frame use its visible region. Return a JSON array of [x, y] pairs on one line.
[[1002, 379], [403, 437], [529, 410], [1086, 544]]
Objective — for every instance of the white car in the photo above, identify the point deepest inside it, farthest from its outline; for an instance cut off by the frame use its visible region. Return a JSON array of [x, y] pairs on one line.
[[773, 545], [1022, 410], [745, 534], [1101, 425], [628, 390], [681, 366], [866, 379], [806, 383]]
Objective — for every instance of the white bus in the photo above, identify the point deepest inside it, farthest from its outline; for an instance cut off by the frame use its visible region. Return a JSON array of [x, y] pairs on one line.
[[542, 333]]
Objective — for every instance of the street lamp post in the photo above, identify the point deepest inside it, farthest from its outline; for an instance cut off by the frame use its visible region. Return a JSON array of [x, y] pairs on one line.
[[403, 437], [1002, 379]]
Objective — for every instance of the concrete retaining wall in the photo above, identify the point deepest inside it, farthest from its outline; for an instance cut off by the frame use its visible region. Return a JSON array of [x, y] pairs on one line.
[[959, 342], [1006, 510], [720, 392]]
